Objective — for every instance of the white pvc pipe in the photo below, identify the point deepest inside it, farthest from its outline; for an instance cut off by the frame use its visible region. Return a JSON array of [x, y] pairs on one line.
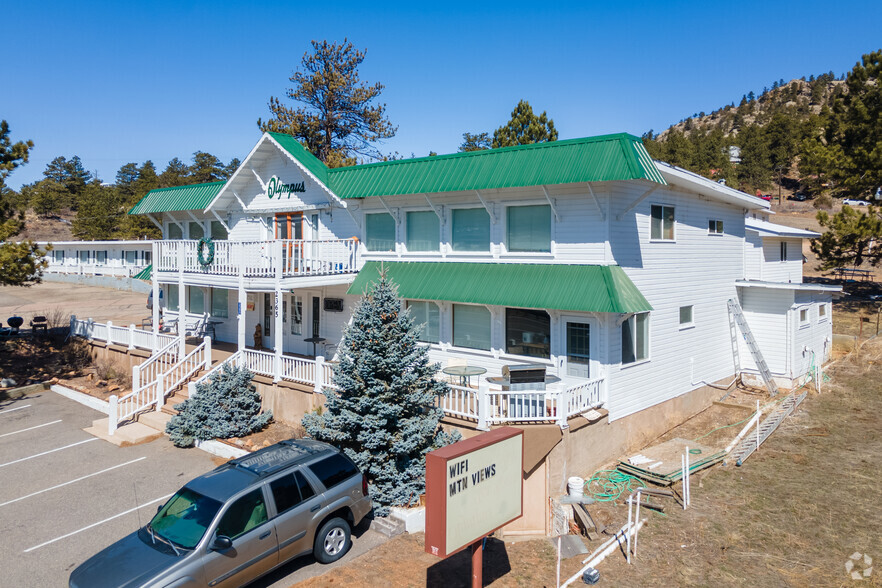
[[743, 432], [757, 426], [604, 550]]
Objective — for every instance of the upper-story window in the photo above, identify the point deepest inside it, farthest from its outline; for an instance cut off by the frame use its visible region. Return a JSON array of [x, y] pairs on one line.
[[426, 314], [529, 228], [635, 338], [715, 227], [174, 231], [423, 231], [218, 232], [379, 232], [471, 229], [197, 231], [662, 223], [783, 250]]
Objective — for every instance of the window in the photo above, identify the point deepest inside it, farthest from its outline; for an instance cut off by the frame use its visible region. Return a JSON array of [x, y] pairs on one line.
[[58, 255], [333, 470], [101, 257], [635, 338], [529, 228], [84, 257], [197, 231], [290, 491], [148, 255], [715, 227], [379, 232], [296, 315], [131, 257], [195, 300], [471, 230], [220, 303], [426, 314], [471, 326], [174, 231], [783, 250], [822, 312], [686, 316], [803, 317], [218, 232], [185, 517], [243, 515], [528, 332], [423, 231], [662, 223], [172, 297]]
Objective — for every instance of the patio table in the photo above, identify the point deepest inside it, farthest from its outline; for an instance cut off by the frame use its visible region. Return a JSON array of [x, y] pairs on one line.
[[465, 373]]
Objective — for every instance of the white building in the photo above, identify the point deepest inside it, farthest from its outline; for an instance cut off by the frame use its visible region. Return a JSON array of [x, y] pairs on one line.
[[100, 258]]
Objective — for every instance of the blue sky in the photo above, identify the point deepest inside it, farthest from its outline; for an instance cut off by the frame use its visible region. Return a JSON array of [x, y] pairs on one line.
[[115, 82]]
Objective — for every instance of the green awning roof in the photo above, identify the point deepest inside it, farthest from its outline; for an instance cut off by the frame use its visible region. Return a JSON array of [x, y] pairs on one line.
[[193, 197], [583, 288], [604, 158], [145, 274]]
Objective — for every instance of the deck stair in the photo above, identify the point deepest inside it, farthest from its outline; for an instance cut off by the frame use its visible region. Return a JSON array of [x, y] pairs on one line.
[[758, 358], [766, 428]]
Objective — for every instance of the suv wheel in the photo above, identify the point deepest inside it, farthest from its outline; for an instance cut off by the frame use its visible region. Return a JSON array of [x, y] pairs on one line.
[[332, 541]]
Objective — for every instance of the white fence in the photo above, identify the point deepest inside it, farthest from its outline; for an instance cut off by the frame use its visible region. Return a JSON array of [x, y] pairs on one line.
[[261, 259], [495, 407], [130, 336]]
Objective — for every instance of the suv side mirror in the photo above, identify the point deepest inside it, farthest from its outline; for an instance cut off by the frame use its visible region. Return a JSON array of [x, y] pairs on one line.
[[221, 543]]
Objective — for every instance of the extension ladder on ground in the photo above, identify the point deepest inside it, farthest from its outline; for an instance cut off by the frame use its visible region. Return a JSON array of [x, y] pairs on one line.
[[758, 358], [766, 428]]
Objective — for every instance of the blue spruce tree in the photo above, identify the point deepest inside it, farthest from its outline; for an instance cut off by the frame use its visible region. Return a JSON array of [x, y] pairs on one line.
[[226, 406], [384, 415]]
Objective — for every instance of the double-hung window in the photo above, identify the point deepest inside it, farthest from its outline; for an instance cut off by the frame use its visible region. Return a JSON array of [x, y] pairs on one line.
[[635, 338], [661, 223], [84, 257], [379, 232], [197, 231], [174, 232], [218, 232], [529, 229], [426, 314], [195, 300], [471, 229], [171, 299], [101, 257], [471, 326], [423, 231], [783, 250], [220, 303]]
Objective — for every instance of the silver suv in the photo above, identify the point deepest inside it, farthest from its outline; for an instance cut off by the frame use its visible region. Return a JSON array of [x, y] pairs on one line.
[[240, 521]]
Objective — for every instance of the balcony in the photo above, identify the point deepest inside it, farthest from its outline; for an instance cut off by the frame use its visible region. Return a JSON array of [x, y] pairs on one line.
[[277, 259]]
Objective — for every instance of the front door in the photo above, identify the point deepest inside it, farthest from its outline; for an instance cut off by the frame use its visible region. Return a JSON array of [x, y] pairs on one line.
[[292, 322], [289, 227], [577, 338], [268, 320]]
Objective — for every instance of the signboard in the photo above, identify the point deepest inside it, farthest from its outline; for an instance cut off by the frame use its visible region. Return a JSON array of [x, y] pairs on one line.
[[276, 189], [473, 488]]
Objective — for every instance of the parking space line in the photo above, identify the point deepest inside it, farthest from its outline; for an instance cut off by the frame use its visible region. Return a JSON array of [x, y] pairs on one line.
[[72, 481], [12, 409], [30, 428], [86, 528], [3, 465]]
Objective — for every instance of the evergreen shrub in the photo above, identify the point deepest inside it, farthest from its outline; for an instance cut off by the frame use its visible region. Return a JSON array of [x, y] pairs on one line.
[[228, 405]]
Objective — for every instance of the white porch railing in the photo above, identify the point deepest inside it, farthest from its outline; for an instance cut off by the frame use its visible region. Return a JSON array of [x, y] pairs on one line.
[[259, 362], [495, 407], [130, 337], [125, 271], [260, 259]]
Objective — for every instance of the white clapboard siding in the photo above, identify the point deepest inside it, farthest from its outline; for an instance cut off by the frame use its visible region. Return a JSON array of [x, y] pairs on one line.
[[768, 312], [776, 270]]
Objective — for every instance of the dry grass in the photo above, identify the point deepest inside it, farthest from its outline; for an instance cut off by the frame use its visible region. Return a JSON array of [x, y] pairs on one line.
[[114, 372]]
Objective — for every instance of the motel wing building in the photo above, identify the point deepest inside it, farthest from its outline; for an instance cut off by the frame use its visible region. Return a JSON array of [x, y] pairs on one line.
[[585, 258]]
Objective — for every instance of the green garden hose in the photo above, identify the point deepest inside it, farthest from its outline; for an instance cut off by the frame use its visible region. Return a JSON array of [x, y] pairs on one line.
[[609, 485]]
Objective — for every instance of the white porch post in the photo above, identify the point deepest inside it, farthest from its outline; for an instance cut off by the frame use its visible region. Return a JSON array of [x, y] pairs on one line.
[[483, 405], [563, 403], [277, 258], [242, 308], [136, 377], [207, 341], [155, 280], [182, 342], [182, 257], [73, 325], [109, 333], [319, 373], [112, 414], [132, 336]]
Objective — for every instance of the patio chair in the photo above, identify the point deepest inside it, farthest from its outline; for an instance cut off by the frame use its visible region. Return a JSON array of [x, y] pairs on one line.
[[39, 324], [5, 332]]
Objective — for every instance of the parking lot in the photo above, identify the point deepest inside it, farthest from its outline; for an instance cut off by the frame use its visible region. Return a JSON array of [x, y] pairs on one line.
[[66, 494]]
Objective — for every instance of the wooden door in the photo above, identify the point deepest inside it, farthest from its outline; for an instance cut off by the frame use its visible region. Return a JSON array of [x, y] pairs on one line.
[[289, 227]]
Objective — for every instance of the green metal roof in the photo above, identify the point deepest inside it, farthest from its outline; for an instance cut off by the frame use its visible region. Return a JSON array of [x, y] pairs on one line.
[[193, 197], [584, 288], [145, 274], [592, 159]]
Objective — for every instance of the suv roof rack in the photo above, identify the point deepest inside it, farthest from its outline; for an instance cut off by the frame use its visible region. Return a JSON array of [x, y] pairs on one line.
[[274, 458]]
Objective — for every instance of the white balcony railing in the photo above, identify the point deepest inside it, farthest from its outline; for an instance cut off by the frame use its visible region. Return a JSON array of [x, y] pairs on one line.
[[541, 406], [261, 259], [130, 337]]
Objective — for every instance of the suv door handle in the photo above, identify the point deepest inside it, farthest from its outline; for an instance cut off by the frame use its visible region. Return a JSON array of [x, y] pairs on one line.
[[315, 508], [265, 535]]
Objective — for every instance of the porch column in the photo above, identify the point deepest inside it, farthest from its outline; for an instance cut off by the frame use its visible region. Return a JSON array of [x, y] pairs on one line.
[[182, 257], [155, 279], [277, 308], [242, 308]]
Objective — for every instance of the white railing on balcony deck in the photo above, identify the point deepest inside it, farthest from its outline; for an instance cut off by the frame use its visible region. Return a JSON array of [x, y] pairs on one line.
[[259, 362], [130, 336], [260, 259], [495, 407]]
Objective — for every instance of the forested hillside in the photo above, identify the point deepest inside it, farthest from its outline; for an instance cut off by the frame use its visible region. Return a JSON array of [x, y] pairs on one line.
[[821, 134]]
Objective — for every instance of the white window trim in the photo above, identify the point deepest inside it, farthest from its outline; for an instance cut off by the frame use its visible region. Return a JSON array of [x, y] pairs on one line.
[[447, 233], [826, 316], [441, 244], [505, 252], [808, 317], [782, 251], [648, 357], [452, 321], [674, 238], [690, 324], [714, 232]]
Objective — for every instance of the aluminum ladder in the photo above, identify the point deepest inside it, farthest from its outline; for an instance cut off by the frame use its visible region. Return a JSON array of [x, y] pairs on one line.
[[761, 364], [766, 428]]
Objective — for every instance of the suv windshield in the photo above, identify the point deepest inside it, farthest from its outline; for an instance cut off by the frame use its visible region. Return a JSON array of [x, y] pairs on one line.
[[184, 518]]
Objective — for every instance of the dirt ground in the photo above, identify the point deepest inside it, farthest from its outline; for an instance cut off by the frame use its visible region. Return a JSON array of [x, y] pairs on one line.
[[792, 515]]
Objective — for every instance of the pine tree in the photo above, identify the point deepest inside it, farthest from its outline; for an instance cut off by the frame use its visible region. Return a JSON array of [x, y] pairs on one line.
[[849, 238], [384, 416], [524, 128], [474, 142], [228, 405]]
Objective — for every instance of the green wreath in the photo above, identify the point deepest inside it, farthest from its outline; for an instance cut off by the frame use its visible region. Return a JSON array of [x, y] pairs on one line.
[[205, 259]]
